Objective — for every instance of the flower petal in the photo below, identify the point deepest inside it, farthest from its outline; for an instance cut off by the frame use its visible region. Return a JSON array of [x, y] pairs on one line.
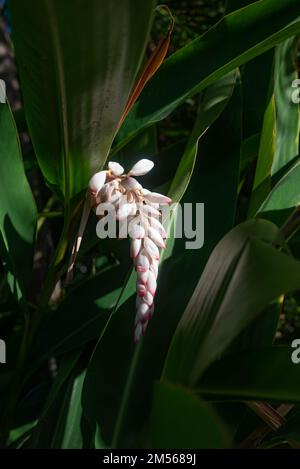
[[153, 234], [97, 182], [131, 184], [151, 283], [135, 247], [151, 248], [105, 207], [136, 231], [148, 210], [141, 167], [142, 262], [155, 197], [115, 168]]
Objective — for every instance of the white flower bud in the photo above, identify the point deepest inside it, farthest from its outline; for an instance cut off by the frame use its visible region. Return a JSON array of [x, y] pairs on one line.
[[131, 184], [141, 167], [158, 198], [156, 237], [151, 248], [115, 168], [97, 182], [135, 247]]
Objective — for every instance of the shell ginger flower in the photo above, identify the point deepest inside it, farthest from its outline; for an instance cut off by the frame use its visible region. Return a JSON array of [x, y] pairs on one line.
[[122, 196]]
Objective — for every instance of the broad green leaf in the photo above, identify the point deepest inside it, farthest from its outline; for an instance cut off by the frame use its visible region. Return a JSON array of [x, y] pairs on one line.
[[178, 420], [288, 112], [77, 64], [18, 213], [264, 374], [243, 34], [80, 318], [243, 275], [130, 389], [262, 179], [283, 198], [63, 425], [212, 102]]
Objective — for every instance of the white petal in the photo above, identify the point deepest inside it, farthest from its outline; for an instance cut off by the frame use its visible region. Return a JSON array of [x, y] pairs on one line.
[[141, 289], [105, 207], [125, 210], [142, 277], [131, 184], [143, 312], [115, 168], [148, 298], [153, 234], [151, 283], [97, 182], [145, 191], [135, 247], [151, 248], [154, 223], [136, 231], [154, 268], [141, 167], [142, 262], [148, 210], [158, 198]]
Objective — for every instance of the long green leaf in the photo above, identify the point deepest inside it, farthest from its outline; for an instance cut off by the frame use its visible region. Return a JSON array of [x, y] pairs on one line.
[[288, 113], [266, 374], [236, 39], [18, 214], [77, 62], [243, 275]]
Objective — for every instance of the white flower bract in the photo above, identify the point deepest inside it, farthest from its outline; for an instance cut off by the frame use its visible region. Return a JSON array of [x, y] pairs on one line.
[[120, 195]]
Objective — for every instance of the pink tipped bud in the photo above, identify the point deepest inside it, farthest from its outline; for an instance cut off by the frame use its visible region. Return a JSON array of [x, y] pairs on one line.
[[142, 261], [155, 223], [131, 184], [158, 198], [136, 231], [149, 211], [104, 207], [154, 268], [151, 248], [156, 237], [115, 168], [142, 277], [141, 167], [148, 299], [135, 247], [125, 210], [151, 283], [97, 182], [141, 290]]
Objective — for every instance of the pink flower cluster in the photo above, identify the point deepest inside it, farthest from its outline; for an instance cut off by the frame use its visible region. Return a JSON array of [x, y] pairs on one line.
[[122, 196]]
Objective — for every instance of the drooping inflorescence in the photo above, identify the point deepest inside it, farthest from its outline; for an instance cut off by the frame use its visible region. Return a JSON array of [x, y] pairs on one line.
[[123, 198]]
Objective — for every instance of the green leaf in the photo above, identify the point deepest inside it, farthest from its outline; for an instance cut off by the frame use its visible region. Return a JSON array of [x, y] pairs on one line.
[[179, 420], [262, 180], [77, 65], [243, 34], [266, 374], [80, 318], [243, 275], [288, 113], [130, 389], [212, 102], [283, 198], [63, 425], [18, 214]]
